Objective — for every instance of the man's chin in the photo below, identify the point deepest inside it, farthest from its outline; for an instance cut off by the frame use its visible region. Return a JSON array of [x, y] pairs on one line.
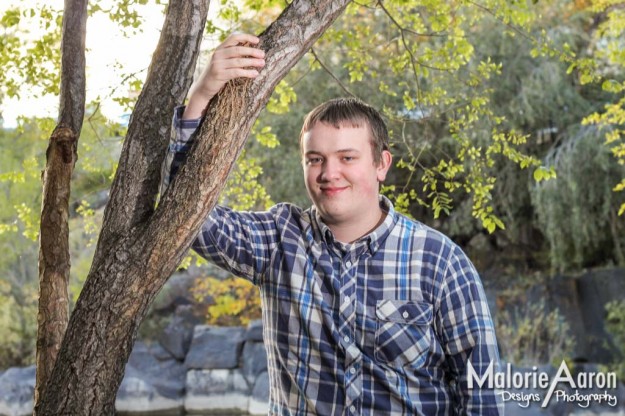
[[331, 217]]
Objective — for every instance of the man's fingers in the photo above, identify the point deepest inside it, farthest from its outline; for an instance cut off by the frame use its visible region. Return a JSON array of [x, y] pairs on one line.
[[238, 38], [245, 73], [239, 51], [226, 74], [243, 63]]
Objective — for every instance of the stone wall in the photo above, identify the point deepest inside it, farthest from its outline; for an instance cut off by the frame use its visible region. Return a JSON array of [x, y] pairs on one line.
[[220, 370]]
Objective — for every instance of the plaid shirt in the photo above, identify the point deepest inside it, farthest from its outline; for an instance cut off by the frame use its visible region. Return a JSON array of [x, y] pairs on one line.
[[382, 326]]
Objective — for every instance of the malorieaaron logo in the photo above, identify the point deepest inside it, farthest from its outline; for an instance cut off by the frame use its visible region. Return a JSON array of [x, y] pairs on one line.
[[556, 386]]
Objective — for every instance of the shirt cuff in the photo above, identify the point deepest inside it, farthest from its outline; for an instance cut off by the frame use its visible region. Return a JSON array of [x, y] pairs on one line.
[[183, 128]]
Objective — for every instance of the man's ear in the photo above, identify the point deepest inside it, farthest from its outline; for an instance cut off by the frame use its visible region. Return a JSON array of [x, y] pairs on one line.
[[384, 165]]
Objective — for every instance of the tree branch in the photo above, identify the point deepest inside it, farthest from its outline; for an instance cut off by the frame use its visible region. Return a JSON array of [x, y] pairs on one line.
[[334, 77], [135, 186], [61, 155]]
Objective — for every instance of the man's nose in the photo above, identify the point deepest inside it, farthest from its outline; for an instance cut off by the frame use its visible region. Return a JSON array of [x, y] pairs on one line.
[[330, 170]]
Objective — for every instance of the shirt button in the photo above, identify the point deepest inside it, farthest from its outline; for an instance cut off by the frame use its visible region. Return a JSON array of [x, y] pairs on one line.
[[346, 338], [352, 409], [352, 370], [348, 264], [405, 314], [346, 300]]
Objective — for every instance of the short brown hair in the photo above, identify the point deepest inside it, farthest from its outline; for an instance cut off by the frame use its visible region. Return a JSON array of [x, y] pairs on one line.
[[350, 112]]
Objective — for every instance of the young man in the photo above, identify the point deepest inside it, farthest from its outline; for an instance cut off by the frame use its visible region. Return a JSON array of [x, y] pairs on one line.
[[365, 311]]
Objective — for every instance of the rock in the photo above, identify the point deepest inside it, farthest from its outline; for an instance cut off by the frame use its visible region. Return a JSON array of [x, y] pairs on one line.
[[215, 348], [254, 331], [176, 337], [174, 293], [580, 301], [595, 289], [17, 388], [219, 390], [254, 360], [259, 402], [138, 393], [160, 353], [153, 381]]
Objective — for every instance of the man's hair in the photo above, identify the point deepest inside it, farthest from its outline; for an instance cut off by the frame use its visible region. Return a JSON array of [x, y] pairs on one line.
[[349, 112]]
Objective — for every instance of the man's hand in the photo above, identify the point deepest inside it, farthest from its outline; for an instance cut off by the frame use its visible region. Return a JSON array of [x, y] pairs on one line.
[[230, 60]]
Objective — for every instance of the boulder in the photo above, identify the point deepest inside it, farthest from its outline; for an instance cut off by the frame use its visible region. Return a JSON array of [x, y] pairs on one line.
[[138, 393], [254, 331], [176, 292], [253, 360], [153, 381], [176, 337], [221, 390], [215, 347], [17, 388], [259, 401], [595, 289], [581, 301], [157, 351]]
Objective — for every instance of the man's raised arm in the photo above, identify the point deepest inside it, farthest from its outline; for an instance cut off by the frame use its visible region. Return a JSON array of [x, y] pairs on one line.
[[230, 60]]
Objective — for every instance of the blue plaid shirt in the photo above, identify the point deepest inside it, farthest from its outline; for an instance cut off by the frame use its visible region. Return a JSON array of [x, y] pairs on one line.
[[383, 326]]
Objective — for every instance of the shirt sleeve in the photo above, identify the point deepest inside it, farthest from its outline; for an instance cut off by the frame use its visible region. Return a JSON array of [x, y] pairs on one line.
[[180, 142], [468, 337], [239, 241]]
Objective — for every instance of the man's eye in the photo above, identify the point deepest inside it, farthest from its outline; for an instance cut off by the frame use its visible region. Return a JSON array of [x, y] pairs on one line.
[[348, 158], [314, 160]]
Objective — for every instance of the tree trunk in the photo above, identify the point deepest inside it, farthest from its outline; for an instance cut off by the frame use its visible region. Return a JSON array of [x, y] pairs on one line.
[[90, 365], [54, 258], [139, 249]]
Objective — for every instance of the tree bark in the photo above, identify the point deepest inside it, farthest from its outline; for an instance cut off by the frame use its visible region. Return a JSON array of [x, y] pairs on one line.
[[54, 257], [140, 248], [136, 183], [90, 365]]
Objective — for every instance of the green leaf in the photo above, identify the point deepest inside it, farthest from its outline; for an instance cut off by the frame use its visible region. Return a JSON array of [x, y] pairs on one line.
[[542, 173]]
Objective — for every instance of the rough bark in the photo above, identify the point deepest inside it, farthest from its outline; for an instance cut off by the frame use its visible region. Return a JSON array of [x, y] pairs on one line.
[[135, 186], [90, 365], [142, 248], [54, 258]]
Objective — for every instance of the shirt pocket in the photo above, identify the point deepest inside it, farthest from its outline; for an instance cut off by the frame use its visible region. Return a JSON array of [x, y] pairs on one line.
[[403, 334]]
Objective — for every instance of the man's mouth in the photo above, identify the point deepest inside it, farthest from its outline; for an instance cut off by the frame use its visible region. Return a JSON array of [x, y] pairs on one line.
[[332, 190]]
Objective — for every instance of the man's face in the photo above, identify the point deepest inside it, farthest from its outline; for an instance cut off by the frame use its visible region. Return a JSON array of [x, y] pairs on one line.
[[341, 178]]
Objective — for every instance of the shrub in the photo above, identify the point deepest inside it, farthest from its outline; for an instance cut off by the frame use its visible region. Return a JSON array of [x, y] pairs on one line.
[[615, 325], [230, 302], [532, 335]]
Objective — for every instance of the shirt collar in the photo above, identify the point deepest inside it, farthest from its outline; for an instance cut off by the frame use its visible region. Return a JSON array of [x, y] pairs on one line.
[[373, 240]]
